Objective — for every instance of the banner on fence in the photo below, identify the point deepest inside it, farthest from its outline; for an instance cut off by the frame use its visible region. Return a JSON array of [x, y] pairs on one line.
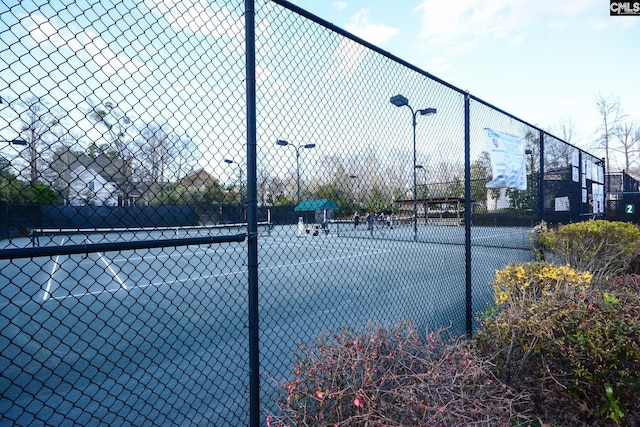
[[507, 160]]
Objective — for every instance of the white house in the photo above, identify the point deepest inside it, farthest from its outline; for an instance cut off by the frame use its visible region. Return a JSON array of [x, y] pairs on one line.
[[88, 187], [502, 201]]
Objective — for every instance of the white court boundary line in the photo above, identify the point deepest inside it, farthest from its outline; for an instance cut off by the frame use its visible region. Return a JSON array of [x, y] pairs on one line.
[[56, 264], [332, 245], [121, 259], [230, 273], [110, 268], [493, 236], [47, 290], [113, 272]]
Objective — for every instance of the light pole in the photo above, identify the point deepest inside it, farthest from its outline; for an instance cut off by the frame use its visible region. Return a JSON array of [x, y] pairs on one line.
[[240, 186], [401, 101], [533, 187], [355, 177], [22, 142], [283, 143], [424, 193]]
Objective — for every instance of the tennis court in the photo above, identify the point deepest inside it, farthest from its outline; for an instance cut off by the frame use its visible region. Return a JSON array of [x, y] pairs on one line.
[[113, 336]]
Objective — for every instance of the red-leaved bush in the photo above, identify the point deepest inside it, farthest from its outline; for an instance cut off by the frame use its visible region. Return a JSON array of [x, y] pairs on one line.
[[394, 377]]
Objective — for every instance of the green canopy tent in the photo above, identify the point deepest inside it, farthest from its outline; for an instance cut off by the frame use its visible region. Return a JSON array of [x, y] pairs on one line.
[[317, 206]]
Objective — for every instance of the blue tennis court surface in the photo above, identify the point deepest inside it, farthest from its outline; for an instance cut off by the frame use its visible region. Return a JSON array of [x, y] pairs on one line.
[[161, 334]]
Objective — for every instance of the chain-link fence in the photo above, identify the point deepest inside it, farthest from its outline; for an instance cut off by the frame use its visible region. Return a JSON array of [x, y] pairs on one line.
[[142, 226], [623, 197]]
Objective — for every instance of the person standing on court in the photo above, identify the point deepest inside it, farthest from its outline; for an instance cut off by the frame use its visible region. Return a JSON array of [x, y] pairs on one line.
[[356, 220], [369, 224]]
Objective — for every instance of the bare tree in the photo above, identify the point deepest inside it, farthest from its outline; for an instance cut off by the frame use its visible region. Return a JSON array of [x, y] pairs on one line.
[[565, 129], [63, 155], [628, 136], [37, 122], [611, 113], [116, 123]]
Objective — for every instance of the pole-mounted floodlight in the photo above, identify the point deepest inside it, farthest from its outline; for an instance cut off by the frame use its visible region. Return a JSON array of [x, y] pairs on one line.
[[284, 143], [401, 101], [16, 141], [427, 111]]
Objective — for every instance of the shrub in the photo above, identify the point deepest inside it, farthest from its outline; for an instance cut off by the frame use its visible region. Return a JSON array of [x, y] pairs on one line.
[[518, 284], [393, 377], [603, 248], [576, 349]]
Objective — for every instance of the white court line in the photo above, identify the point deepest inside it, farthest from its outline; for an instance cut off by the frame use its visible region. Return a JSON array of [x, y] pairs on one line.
[[156, 284], [322, 245], [316, 261], [230, 273], [172, 255], [493, 236], [113, 273], [108, 265], [47, 293]]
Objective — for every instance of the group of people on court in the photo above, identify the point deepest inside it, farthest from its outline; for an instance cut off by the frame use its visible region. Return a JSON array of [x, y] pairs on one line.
[[377, 220]]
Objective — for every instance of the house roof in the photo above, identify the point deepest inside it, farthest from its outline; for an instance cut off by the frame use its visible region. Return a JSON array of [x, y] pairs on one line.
[[109, 169], [317, 205], [197, 178]]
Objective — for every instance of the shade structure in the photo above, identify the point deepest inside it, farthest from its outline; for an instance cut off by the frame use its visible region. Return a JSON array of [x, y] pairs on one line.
[[317, 205]]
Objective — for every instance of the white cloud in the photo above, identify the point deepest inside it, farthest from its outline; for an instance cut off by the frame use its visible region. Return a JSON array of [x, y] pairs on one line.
[[437, 64], [200, 16], [85, 45], [516, 41], [451, 28], [339, 5], [373, 33], [446, 24], [347, 56]]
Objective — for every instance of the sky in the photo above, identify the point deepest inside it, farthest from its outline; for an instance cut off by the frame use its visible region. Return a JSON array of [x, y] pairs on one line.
[[182, 61], [544, 61]]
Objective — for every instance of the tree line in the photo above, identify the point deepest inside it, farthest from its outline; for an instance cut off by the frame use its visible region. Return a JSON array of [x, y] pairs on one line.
[[156, 164]]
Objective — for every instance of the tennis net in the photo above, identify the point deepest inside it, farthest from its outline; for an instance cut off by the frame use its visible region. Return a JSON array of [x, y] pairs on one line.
[[71, 236]]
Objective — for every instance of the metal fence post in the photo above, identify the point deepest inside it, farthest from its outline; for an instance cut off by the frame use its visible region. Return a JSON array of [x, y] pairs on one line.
[[541, 216], [467, 215], [252, 218]]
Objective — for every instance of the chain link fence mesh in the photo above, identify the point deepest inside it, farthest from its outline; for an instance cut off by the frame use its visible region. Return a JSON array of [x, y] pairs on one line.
[[123, 196]]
